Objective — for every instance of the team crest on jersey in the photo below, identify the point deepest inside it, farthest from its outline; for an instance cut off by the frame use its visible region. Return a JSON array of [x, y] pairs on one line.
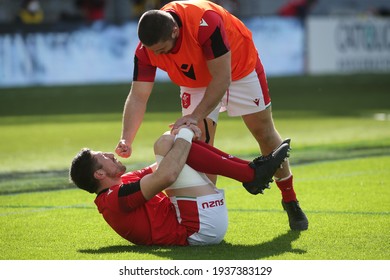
[[186, 100]]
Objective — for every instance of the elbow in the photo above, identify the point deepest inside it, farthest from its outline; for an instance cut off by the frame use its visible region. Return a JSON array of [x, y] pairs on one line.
[[172, 179], [227, 79], [169, 178], [223, 82]]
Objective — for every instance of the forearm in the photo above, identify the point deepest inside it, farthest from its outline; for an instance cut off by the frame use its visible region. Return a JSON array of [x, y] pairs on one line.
[[174, 161], [167, 171], [134, 109], [213, 95], [133, 115], [220, 70]]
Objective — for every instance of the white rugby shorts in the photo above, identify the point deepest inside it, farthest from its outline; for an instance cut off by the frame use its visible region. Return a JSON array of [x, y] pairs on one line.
[[245, 96], [205, 217]]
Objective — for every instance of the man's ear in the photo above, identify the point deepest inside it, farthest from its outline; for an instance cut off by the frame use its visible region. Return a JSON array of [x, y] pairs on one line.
[[175, 32], [99, 174]]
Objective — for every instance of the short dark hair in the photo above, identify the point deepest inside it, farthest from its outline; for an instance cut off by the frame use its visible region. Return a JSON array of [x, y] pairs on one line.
[[155, 26], [82, 171]]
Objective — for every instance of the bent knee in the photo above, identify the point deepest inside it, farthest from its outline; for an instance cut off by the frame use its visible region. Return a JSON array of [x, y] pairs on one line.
[[163, 144]]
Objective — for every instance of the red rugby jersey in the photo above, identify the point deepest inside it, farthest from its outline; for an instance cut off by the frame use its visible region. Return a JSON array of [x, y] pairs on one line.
[[139, 221]]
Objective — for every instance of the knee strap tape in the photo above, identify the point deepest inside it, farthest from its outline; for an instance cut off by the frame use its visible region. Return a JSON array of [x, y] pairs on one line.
[[186, 134]]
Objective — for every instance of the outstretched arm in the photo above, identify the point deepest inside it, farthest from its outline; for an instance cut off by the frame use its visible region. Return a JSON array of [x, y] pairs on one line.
[[133, 115]]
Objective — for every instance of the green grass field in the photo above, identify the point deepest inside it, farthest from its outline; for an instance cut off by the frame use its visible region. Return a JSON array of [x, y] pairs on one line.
[[340, 130]]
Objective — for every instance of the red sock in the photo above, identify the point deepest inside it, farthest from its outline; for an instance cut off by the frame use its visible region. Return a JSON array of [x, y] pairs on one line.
[[207, 159], [287, 189], [219, 152]]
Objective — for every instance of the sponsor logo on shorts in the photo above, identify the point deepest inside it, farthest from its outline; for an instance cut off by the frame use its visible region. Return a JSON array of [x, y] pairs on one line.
[[256, 101], [211, 204], [186, 100]]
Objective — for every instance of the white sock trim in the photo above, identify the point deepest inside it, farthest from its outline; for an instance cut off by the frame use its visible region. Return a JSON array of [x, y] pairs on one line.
[[283, 179]]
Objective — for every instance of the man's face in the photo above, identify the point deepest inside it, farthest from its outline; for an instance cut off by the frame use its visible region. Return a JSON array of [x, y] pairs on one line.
[[112, 167], [165, 47], [162, 47]]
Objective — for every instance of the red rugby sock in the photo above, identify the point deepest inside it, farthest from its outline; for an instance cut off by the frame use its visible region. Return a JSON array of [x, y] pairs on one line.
[[219, 152], [287, 189], [208, 159]]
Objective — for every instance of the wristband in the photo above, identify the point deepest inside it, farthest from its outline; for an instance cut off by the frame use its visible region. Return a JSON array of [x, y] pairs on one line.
[[186, 134]]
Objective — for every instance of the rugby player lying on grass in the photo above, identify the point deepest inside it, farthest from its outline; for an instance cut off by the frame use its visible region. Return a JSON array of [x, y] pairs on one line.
[[191, 210]]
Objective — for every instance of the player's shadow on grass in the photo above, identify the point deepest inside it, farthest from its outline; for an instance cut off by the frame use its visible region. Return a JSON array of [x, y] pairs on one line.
[[277, 246]]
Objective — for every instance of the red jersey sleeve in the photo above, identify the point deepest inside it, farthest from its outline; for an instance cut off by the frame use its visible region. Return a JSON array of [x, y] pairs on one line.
[[142, 172], [129, 194], [143, 71], [212, 36]]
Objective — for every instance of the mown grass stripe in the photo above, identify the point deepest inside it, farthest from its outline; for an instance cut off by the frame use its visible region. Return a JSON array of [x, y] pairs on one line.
[[84, 206], [323, 212], [34, 209]]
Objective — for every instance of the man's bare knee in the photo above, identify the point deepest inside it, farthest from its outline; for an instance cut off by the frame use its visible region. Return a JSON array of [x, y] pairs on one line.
[[163, 144]]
